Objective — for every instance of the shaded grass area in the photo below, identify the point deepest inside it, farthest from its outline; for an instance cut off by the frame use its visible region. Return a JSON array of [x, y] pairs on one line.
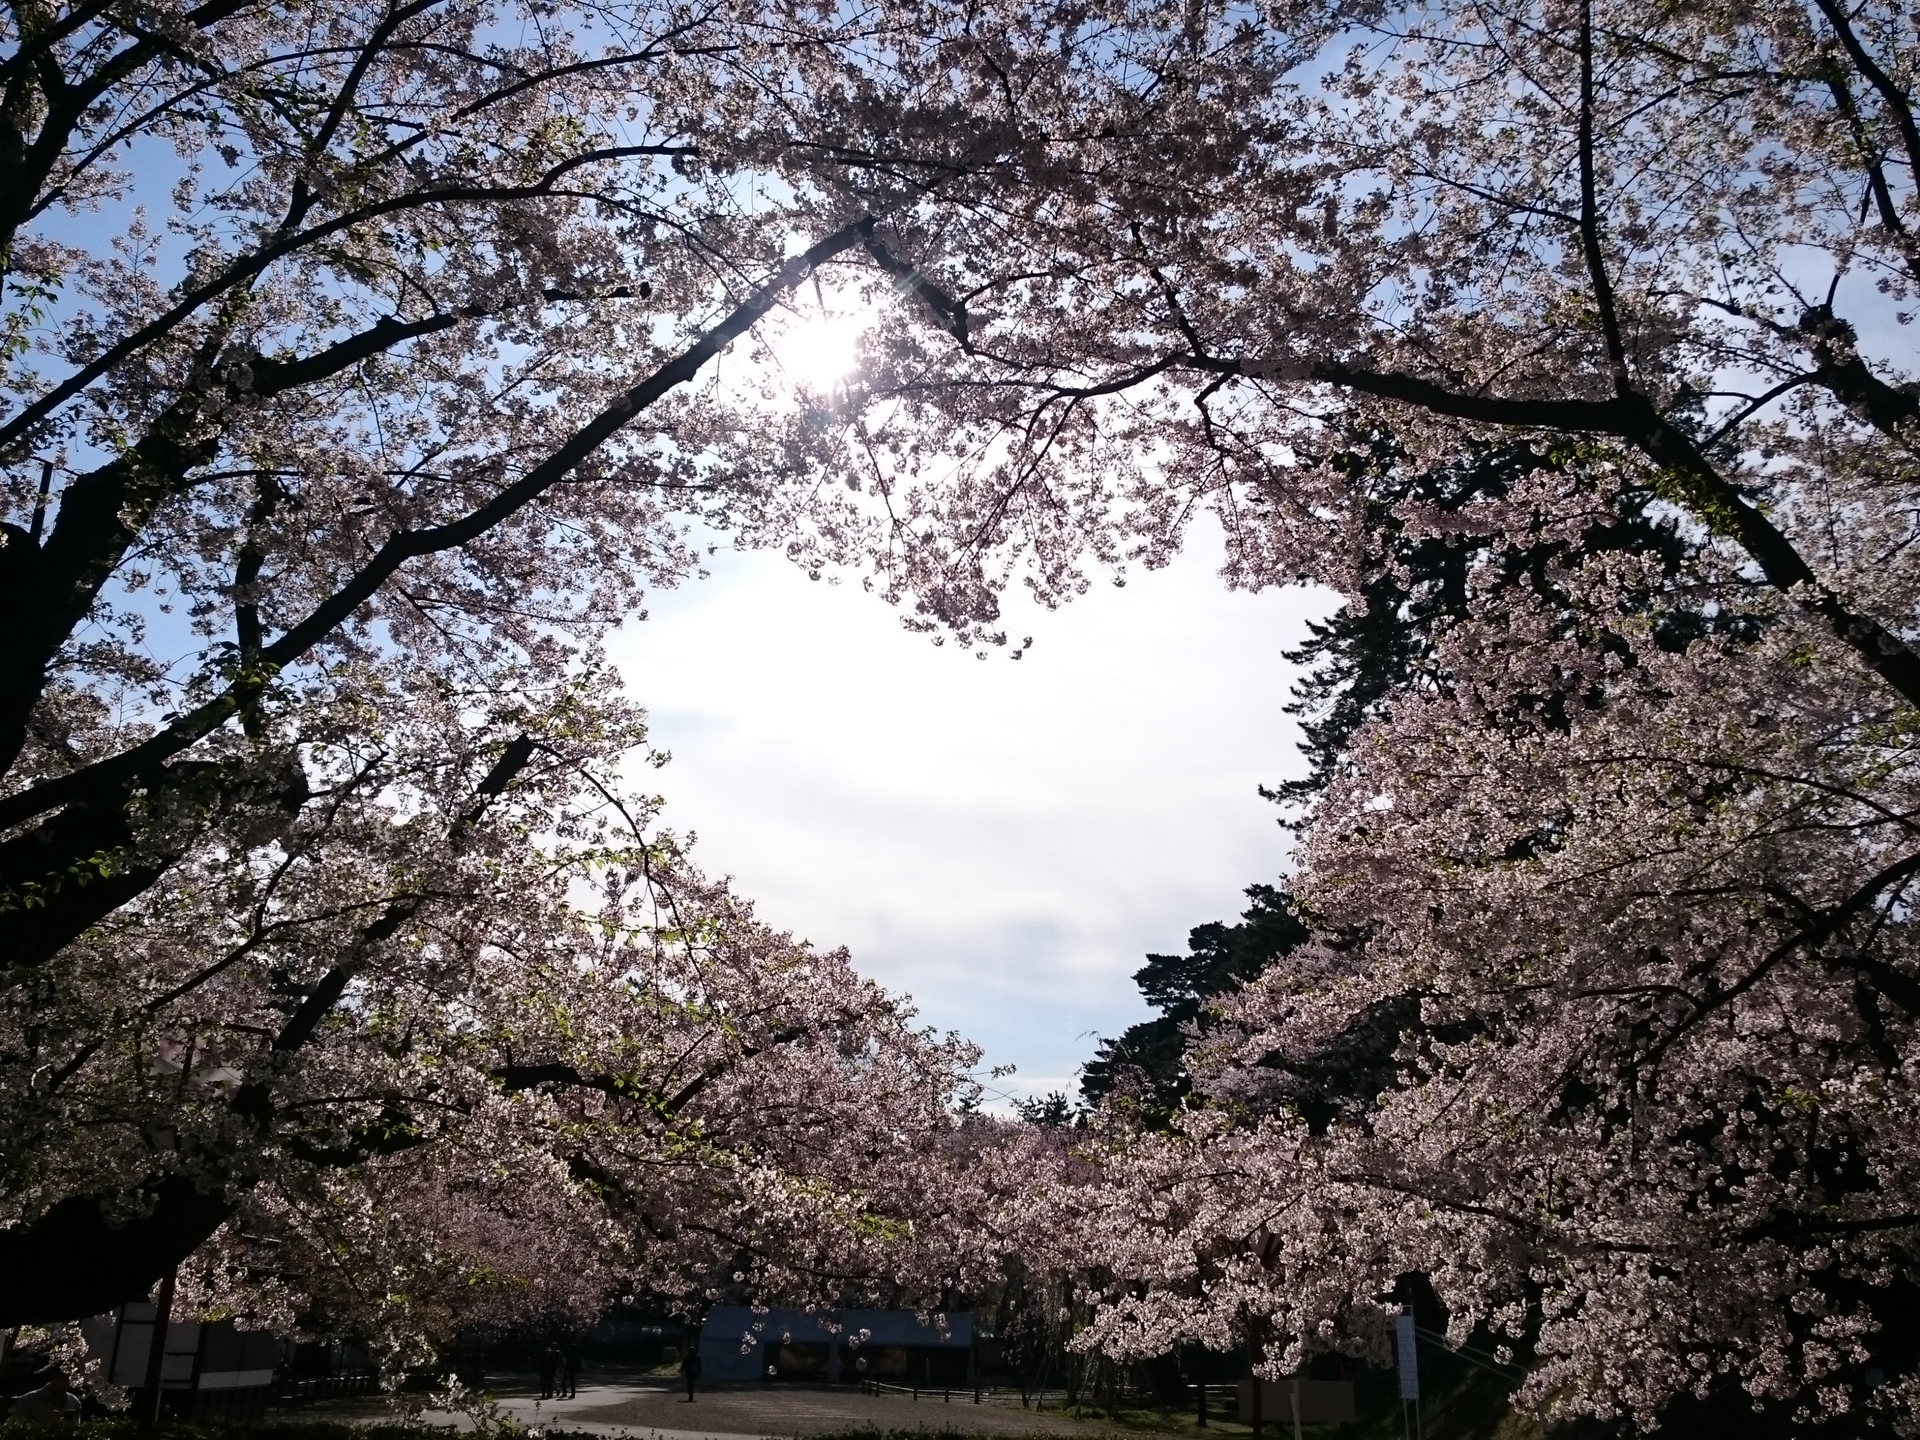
[[1460, 1401]]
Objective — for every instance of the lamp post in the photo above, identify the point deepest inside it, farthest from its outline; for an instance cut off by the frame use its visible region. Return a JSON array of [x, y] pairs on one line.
[[1406, 1352]]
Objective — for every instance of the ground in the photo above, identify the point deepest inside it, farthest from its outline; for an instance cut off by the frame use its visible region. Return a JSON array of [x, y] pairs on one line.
[[649, 1406]]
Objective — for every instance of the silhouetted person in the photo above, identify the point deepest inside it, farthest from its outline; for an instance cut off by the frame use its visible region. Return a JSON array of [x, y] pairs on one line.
[[569, 1369], [690, 1367], [549, 1367]]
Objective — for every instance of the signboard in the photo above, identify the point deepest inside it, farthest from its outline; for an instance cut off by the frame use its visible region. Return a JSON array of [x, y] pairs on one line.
[[195, 1357], [1404, 1347]]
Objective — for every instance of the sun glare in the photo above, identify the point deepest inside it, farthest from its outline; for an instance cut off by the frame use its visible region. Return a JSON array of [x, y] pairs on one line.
[[819, 346]]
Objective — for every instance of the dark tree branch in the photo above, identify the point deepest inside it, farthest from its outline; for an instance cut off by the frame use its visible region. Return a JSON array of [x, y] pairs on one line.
[[1590, 215], [276, 376], [1873, 162], [47, 590], [1846, 376], [951, 313], [1807, 1227], [1842, 373], [305, 1021], [70, 1262], [394, 1133], [1898, 104], [74, 870], [246, 604], [567, 1077], [1883, 979], [302, 199]]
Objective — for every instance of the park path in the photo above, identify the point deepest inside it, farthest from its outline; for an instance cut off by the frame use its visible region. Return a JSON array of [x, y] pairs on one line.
[[648, 1409]]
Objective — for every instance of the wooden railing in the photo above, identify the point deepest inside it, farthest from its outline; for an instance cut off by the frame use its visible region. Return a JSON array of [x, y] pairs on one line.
[[943, 1393]]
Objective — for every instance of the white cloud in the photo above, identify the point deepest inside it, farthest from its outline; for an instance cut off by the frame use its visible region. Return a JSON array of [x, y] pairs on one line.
[[1002, 840]]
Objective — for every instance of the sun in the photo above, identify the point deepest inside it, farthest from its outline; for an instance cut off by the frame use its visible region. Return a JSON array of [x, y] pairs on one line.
[[818, 346]]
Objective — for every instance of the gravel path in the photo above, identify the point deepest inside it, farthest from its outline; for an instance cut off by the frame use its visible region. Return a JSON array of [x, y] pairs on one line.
[[782, 1410]]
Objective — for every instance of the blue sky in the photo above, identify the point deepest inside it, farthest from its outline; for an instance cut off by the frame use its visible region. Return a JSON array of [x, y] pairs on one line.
[[1002, 840]]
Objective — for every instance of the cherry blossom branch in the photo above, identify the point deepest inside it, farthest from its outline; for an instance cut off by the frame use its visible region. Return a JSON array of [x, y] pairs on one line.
[[950, 312], [247, 267], [1906, 820], [1791, 1227], [391, 1134], [1822, 926], [1874, 163], [303, 197], [407, 545], [1632, 416], [1843, 373], [36, 42], [24, 167], [326, 993], [184, 1210]]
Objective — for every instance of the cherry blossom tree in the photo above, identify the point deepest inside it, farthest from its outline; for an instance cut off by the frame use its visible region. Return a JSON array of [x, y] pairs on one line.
[[364, 364], [1608, 1027], [542, 1062]]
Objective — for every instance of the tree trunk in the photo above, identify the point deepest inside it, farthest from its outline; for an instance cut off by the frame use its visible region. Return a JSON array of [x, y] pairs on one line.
[[73, 1262]]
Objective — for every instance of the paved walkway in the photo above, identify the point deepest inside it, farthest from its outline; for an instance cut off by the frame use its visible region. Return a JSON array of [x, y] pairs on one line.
[[647, 1407]]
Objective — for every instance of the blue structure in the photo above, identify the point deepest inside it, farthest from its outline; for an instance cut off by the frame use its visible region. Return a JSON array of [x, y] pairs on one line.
[[836, 1347]]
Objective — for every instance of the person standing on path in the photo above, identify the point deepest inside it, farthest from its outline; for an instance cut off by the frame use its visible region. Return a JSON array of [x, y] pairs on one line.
[[690, 1367], [549, 1368], [569, 1369]]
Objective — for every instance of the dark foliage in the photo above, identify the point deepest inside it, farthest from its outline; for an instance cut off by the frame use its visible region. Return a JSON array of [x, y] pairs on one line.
[[1148, 1062], [1052, 1111], [1423, 579]]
